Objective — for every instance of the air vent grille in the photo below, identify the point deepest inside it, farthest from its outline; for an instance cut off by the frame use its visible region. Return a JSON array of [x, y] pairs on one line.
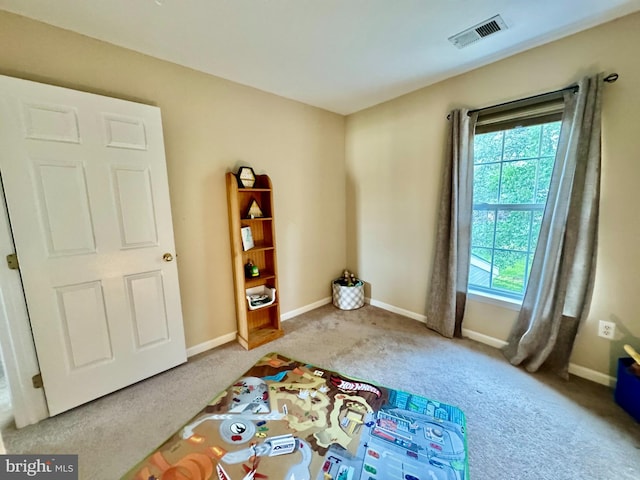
[[481, 30], [488, 28]]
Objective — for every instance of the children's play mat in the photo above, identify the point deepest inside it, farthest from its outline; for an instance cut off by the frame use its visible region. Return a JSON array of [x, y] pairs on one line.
[[288, 420]]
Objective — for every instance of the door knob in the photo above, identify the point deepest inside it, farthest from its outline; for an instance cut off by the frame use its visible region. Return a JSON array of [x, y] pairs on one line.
[[167, 257]]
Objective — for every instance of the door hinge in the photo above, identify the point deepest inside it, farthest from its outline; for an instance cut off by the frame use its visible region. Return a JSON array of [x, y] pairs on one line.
[[12, 261], [37, 381]]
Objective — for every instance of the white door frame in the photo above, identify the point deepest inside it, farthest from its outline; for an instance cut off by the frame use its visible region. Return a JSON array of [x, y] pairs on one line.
[[16, 343]]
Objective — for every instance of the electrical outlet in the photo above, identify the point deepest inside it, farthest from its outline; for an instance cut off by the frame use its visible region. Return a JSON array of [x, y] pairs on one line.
[[606, 329]]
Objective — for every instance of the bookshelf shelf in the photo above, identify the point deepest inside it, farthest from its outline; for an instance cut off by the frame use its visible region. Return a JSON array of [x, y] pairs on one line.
[[255, 327]]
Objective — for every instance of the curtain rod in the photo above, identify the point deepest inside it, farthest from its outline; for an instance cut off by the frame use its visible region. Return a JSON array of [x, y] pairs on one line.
[[612, 77]]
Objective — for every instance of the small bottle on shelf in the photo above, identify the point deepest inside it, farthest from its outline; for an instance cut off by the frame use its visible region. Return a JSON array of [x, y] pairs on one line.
[[251, 270]]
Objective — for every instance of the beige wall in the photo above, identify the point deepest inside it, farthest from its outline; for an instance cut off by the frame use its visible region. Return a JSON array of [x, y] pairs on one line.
[[212, 126], [392, 172], [394, 153]]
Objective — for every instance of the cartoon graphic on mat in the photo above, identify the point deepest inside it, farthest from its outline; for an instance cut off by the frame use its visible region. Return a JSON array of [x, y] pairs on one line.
[[250, 394], [286, 419]]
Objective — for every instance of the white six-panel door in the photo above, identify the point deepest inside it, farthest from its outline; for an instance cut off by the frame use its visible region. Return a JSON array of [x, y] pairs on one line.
[[86, 188]]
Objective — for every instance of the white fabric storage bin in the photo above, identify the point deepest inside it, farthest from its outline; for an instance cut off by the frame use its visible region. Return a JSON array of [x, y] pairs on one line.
[[348, 298]]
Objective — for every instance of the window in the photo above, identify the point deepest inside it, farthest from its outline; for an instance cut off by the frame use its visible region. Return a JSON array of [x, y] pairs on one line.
[[513, 161]]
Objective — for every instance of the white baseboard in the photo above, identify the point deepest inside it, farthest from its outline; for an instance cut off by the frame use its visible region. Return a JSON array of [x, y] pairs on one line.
[[399, 311], [230, 337], [593, 375], [482, 338], [209, 344], [307, 308], [577, 370]]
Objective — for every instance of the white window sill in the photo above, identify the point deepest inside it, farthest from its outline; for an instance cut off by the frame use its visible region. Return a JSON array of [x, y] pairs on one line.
[[504, 302]]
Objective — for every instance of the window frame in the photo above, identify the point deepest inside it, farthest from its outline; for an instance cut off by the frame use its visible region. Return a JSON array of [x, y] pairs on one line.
[[503, 119]]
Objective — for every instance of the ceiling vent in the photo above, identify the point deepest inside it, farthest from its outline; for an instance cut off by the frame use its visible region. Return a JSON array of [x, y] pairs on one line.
[[477, 32]]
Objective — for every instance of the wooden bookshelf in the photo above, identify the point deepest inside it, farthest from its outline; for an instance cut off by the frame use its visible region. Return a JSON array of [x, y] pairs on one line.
[[260, 326]]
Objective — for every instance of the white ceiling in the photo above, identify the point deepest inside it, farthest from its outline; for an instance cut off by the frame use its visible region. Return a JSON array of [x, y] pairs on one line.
[[340, 55]]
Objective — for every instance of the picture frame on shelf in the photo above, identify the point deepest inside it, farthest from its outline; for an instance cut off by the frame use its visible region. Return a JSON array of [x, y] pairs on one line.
[[254, 210], [246, 177], [247, 238]]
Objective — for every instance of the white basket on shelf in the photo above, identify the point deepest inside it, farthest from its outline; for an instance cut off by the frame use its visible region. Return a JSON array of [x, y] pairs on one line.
[[259, 297]]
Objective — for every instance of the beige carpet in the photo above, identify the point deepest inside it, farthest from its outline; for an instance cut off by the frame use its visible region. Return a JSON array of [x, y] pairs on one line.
[[520, 426]]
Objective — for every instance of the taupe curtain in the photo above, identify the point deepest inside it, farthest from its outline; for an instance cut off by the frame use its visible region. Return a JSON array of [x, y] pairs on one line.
[[561, 281], [448, 291]]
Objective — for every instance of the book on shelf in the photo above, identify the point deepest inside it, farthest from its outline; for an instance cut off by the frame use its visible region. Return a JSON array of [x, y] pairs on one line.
[[247, 238]]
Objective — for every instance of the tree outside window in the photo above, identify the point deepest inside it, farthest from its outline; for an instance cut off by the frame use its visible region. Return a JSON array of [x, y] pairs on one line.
[[512, 172]]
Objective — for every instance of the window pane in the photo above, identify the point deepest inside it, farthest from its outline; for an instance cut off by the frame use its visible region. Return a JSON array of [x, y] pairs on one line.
[[523, 142], [512, 174], [480, 267], [512, 231], [482, 228], [545, 169], [486, 181], [488, 147], [518, 182], [550, 136], [509, 271], [482, 253]]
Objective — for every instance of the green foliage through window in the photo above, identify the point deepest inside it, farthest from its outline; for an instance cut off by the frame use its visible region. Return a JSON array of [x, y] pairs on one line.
[[512, 173]]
